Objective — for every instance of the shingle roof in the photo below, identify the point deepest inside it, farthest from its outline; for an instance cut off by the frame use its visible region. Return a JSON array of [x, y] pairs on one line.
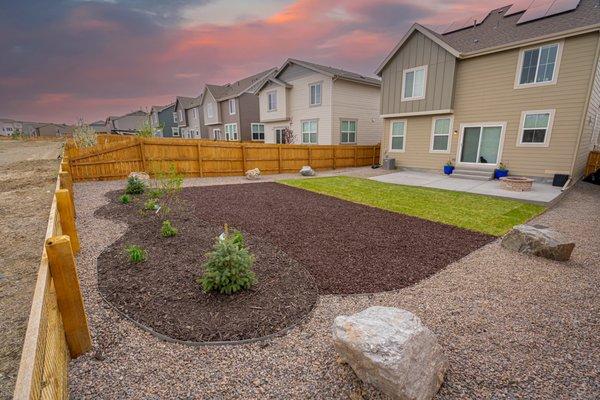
[[497, 30], [230, 90], [185, 101], [161, 108], [334, 72]]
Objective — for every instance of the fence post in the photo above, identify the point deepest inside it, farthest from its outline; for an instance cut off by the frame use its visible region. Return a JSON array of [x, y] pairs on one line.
[[279, 158], [373, 161], [68, 294], [243, 158], [333, 154], [355, 156], [64, 166], [309, 156], [142, 155], [67, 218], [200, 158], [66, 182]]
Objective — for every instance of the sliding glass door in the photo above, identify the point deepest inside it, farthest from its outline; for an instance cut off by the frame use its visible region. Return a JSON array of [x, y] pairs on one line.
[[481, 144]]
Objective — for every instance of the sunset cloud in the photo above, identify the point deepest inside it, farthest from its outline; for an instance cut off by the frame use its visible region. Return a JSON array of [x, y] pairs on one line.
[[95, 58]]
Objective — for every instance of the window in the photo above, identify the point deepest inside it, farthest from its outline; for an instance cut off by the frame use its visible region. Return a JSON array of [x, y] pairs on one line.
[[175, 131], [181, 115], [398, 142], [155, 118], [309, 132], [315, 94], [348, 131], [175, 117], [413, 83], [440, 135], [536, 127], [216, 134], [538, 66], [231, 106], [272, 101], [209, 110], [231, 132], [258, 131]]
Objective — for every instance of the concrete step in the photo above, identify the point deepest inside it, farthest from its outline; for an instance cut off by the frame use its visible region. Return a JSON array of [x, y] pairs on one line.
[[487, 177], [477, 172]]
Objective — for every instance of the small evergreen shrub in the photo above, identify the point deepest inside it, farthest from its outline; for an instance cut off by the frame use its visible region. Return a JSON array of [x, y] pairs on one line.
[[167, 229], [150, 205], [228, 268], [135, 186], [125, 199], [136, 253]]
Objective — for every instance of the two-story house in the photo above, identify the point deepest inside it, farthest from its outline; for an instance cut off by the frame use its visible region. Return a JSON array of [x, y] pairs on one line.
[[230, 110], [310, 103], [195, 120], [518, 85], [161, 119], [182, 103]]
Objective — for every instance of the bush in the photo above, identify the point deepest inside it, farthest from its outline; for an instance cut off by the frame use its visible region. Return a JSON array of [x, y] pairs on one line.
[[125, 199], [146, 130], [228, 268], [135, 186], [150, 205], [155, 194], [167, 229], [136, 254], [84, 135]]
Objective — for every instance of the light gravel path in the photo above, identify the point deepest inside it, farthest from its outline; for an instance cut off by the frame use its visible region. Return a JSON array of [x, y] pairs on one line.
[[513, 326]]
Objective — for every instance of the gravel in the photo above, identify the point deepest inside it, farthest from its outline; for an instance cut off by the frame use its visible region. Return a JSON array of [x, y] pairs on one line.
[[512, 326]]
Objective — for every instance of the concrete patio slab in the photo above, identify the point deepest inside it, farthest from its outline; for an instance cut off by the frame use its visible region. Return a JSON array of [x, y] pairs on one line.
[[542, 193]]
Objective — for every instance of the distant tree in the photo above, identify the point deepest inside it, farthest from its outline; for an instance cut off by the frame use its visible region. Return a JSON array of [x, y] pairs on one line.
[[84, 135], [288, 136]]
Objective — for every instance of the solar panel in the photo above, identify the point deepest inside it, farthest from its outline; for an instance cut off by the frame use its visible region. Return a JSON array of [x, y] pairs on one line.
[[560, 6], [466, 22], [545, 8], [518, 6]]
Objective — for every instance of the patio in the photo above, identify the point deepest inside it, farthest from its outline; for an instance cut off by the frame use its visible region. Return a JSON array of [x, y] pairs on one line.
[[542, 193]]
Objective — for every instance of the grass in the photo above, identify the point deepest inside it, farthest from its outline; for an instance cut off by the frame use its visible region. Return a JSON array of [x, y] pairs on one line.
[[492, 215]]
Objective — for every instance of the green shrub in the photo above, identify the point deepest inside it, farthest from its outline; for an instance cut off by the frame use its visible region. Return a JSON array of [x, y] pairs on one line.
[[84, 135], [167, 229], [136, 253], [135, 186], [125, 199], [155, 193], [150, 205], [228, 268]]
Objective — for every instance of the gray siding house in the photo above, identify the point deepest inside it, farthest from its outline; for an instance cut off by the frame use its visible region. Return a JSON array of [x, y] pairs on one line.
[[128, 124], [161, 118]]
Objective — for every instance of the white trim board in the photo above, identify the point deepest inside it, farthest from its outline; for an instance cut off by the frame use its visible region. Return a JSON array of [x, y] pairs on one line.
[[417, 113]]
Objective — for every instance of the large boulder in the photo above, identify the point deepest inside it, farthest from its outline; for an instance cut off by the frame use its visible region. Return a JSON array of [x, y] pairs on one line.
[[143, 176], [253, 174], [392, 350], [538, 240], [307, 171]]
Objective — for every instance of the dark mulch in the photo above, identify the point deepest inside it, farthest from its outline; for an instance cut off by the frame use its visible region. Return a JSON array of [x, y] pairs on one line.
[[162, 292]]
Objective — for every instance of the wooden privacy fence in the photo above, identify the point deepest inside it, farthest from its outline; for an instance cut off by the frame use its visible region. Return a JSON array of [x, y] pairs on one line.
[[593, 162], [193, 157], [57, 329]]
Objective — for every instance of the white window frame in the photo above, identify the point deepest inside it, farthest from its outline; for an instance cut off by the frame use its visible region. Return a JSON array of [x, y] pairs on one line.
[[433, 135], [175, 131], [310, 86], [546, 142], [175, 118], [342, 120], [403, 135], [404, 73], [252, 125], [316, 121], [227, 132], [231, 106], [274, 94], [216, 133], [518, 85], [481, 125], [180, 115], [209, 110]]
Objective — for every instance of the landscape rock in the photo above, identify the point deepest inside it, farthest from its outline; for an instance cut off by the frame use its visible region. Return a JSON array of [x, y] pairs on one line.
[[307, 171], [539, 240], [392, 350], [253, 174], [143, 176]]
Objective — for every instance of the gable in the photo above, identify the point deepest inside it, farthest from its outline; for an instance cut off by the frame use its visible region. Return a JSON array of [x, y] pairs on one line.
[[294, 71]]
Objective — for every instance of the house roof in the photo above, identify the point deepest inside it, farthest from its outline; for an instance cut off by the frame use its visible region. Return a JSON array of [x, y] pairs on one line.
[[184, 101], [497, 32], [231, 90], [161, 108], [195, 102]]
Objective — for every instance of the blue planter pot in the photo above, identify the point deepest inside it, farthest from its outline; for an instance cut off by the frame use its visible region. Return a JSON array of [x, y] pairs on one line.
[[500, 173], [448, 169]]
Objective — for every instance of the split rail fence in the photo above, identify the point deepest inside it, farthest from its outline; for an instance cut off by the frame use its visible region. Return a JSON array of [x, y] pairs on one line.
[[57, 329], [116, 158], [593, 162]]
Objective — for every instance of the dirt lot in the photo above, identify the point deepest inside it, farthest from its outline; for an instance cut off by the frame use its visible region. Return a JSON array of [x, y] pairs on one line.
[[27, 176]]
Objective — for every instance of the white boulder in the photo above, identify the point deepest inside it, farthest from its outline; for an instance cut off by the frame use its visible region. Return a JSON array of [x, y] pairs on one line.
[[538, 240], [253, 174], [143, 176], [392, 350], [307, 171]]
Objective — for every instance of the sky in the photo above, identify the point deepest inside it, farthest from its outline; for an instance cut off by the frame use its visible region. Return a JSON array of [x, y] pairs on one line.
[[62, 60]]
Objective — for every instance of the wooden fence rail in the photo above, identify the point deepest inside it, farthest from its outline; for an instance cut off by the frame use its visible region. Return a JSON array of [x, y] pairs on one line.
[[116, 159], [57, 329], [593, 162]]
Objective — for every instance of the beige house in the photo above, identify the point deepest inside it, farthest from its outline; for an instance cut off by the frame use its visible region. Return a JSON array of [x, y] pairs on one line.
[[514, 85], [319, 105]]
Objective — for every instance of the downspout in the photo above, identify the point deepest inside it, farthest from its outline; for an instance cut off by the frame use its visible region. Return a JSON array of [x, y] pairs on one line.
[[586, 108]]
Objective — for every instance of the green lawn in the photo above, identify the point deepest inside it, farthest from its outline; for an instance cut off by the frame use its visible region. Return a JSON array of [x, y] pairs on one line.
[[491, 215]]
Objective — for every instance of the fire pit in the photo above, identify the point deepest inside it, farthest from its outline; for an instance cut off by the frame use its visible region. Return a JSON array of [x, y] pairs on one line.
[[517, 183]]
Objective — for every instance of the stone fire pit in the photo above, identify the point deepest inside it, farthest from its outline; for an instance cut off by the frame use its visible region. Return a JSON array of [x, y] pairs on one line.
[[517, 183]]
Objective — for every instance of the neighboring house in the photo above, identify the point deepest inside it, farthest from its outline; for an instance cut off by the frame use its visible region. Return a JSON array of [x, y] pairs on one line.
[[162, 120], [54, 130], [194, 120], [320, 105], [230, 110], [9, 126], [30, 128], [182, 103], [99, 127], [515, 85], [128, 124]]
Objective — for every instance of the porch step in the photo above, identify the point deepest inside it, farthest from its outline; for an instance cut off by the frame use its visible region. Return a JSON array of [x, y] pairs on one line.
[[475, 174]]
